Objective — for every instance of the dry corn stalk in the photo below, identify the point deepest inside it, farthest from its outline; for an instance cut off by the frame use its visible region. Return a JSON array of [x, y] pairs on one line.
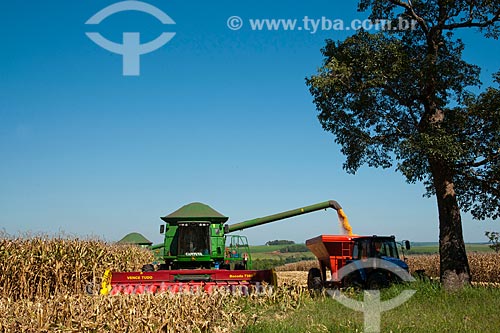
[[42, 266], [485, 267], [172, 313]]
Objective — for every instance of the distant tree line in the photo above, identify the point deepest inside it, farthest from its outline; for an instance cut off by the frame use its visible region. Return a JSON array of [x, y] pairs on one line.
[[294, 248], [280, 242]]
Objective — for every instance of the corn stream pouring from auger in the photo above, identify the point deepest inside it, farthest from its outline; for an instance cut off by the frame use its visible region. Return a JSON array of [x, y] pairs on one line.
[[344, 222], [200, 255]]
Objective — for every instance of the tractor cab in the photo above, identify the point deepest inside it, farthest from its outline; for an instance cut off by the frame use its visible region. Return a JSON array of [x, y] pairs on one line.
[[237, 254], [374, 247]]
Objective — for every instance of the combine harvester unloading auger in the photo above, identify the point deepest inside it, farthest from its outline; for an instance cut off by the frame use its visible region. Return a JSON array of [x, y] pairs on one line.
[[198, 254]]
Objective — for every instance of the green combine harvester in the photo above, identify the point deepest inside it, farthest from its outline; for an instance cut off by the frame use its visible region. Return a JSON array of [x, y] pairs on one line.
[[199, 252]]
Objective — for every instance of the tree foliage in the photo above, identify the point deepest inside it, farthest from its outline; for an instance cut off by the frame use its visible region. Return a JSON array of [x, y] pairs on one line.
[[402, 98], [371, 93], [494, 239]]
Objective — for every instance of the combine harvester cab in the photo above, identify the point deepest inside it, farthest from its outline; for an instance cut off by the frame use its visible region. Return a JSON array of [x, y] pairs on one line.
[[375, 261], [198, 255]]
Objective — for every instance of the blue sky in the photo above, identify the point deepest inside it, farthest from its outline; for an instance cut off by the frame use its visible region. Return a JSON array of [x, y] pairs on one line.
[[218, 116]]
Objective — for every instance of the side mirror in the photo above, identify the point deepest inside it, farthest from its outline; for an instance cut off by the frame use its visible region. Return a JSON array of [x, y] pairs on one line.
[[162, 229], [407, 244]]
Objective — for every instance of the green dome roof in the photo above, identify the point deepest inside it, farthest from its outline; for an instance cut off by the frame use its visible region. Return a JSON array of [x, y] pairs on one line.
[[135, 238], [195, 211]]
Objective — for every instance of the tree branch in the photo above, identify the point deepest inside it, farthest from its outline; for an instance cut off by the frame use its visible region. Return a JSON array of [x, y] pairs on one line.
[[482, 162], [409, 8], [396, 96], [489, 184], [413, 116], [442, 13], [470, 24]]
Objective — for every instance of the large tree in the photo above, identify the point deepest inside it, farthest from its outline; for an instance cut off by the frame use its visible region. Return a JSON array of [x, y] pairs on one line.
[[401, 96]]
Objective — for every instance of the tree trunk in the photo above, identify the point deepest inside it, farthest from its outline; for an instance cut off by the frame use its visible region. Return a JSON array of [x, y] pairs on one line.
[[454, 265]]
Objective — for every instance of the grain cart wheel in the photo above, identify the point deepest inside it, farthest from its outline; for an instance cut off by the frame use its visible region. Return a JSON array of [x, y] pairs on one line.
[[314, 280]]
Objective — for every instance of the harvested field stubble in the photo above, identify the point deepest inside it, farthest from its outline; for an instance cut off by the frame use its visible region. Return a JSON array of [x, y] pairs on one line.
[[292, 278]]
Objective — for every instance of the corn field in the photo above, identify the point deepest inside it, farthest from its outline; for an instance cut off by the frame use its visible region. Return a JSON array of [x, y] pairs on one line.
[[485, 267], [132, 313], [218, 312], [42, 266], [43, 280]]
